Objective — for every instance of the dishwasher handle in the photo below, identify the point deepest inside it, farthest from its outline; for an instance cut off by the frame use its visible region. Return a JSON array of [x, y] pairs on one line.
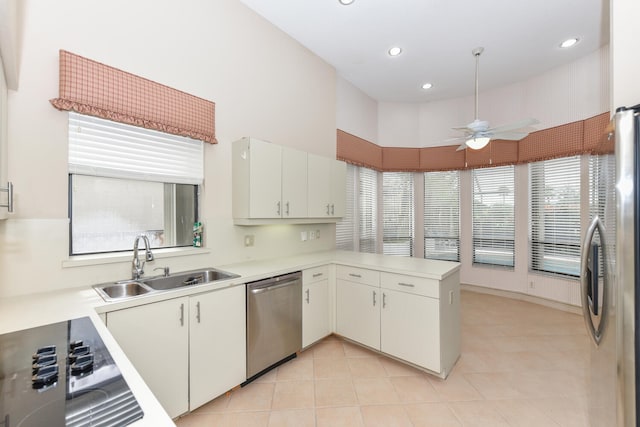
[[273, 286]]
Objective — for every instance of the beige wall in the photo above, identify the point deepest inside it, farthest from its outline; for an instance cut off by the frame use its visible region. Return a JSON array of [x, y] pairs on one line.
[[264, 84], [625, 53]]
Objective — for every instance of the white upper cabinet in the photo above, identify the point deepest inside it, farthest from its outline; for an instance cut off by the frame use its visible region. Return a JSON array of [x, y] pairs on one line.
[[4, 195], [269, 181], [294, 183], [275, 184], [327, 191], [338, 188]]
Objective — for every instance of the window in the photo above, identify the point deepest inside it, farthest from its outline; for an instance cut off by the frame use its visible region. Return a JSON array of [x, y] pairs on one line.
[[125, 181], [368, 208], [397, 216], [442, 215], [555, 216], [493, 216], [346, 227], [358, 229]]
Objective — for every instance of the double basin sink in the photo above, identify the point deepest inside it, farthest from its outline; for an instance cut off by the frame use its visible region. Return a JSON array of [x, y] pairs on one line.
[[116, 291]]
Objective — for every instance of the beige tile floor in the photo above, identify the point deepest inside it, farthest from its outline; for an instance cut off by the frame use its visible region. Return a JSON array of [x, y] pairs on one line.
[[522, 364]]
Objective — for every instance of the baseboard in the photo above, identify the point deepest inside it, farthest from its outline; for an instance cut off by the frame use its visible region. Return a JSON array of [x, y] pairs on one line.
[[522, 297]]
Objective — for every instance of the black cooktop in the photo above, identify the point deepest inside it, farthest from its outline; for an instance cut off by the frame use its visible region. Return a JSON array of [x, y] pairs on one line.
[[62, 375]]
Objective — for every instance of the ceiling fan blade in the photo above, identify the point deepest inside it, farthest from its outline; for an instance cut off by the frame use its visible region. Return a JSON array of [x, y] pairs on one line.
[[515, 125], [466, 129], [457, 138], [461, 147], [511, 136]]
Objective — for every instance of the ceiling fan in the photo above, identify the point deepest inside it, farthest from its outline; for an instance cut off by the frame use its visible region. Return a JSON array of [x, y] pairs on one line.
[[477, 134]]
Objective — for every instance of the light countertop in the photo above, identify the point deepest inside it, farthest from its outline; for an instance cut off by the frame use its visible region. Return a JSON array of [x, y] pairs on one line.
[[33, 310]]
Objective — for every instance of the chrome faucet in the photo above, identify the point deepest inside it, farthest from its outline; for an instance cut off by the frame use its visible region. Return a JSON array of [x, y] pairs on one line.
[[137, 269]]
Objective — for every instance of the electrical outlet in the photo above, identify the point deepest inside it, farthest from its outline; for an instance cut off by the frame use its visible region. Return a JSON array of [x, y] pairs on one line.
[[312, 235], [317, 234], [303, 236], [532, 285], [249, 240]]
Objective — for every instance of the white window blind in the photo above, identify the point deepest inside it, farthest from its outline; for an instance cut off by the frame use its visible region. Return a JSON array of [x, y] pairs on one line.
[[397, 216], [493, 216], [368, 206], [346, 228], [101, 147], [555, 216], [442, 215]]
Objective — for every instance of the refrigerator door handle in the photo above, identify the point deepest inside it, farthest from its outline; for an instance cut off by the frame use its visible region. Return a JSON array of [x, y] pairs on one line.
[[595, 333]]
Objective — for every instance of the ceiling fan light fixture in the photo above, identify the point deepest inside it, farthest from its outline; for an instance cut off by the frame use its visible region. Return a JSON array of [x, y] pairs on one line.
[[569, 42], [395, 51], [345, 2], [478, 142], [426, 86]]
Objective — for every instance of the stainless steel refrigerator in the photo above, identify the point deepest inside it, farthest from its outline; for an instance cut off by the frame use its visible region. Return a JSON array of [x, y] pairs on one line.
[[609, 280]]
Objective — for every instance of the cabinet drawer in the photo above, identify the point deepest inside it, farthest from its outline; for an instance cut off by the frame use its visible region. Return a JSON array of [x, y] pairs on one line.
[[410, 284], [358, 275], [316, 274]]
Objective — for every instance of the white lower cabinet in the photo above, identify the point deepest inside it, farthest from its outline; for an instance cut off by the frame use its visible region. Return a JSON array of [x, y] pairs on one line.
[[315, 305], [188, 350], [413, 318], [409, 328], [217, 353], [358, 312], [155, 338]]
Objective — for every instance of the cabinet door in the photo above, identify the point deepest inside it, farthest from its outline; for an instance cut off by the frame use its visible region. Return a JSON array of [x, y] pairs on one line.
[[3, 143], [338, 188], [294, 183], [358, 312], [265, 180], [218, 344], [155, 337], [410, 326], [319, 177], [315, 312]]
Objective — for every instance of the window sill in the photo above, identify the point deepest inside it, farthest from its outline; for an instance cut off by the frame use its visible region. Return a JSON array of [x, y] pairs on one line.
[[112, 258]]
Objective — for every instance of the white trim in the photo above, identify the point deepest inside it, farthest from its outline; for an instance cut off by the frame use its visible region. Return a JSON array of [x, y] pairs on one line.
[[522, 297], [117, 257]]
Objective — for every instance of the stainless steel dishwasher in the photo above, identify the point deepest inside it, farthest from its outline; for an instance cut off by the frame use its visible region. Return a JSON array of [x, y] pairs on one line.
[[274, 322]]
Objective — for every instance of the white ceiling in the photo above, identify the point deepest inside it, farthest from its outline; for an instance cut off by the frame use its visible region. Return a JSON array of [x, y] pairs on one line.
[[521, 39]]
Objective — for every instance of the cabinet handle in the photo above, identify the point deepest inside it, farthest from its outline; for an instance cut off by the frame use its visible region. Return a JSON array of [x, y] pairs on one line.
[[355, 275], [409, 285], [332, 210], [374, 298], [317, 275], [198, 311], [278, 209], [328, 209], [384, 300], [182, 314], [307, 291], [286, 208], [9, 191]]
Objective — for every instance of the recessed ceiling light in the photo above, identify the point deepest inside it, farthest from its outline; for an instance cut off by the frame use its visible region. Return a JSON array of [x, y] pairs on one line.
[[346, 2], [427, 86], [569, 42], [395, 51]]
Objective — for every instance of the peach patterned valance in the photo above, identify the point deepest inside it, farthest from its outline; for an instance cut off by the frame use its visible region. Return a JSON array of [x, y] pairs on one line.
[[587, 136], [95, 89]]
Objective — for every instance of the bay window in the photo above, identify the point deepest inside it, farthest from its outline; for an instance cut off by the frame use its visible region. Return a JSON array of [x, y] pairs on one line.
[[493, 221]]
